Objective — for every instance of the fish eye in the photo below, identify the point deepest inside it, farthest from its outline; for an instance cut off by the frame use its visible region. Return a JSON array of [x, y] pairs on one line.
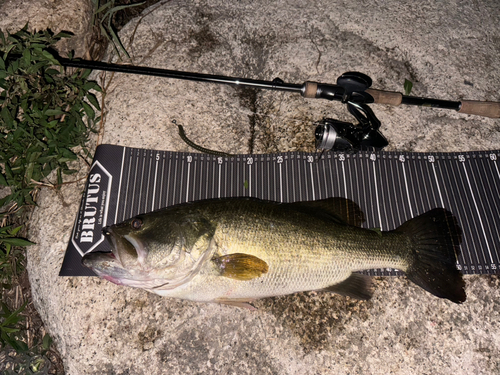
[[136, 223]]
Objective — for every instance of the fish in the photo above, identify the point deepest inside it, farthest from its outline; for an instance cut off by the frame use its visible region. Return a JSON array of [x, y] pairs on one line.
[[237, 250]]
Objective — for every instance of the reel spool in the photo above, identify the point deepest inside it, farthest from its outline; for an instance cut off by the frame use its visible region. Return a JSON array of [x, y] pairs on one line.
[[343, 136]]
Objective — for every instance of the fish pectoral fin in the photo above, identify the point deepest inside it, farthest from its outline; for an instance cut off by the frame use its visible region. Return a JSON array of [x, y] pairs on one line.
[[241, 303], [356, 286], [240, 266]]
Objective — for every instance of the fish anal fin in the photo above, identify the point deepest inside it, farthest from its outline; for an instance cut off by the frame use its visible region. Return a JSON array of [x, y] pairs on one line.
[[241, 303], [241, 266], [356, 286]]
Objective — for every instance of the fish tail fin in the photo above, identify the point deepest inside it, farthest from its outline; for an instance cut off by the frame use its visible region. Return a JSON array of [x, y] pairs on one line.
[[435, 237]]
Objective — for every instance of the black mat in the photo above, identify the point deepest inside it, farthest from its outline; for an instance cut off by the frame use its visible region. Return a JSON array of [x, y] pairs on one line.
[[390, 187]]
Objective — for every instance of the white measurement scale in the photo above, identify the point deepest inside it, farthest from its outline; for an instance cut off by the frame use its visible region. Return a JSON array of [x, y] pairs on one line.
[[390, 188]]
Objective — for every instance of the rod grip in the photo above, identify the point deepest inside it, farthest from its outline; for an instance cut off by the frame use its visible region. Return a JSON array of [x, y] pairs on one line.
[[487, 109], [385, 97], [310, 89]]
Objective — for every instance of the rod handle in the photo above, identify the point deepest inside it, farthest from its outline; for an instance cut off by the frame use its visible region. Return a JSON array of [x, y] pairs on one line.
[[385, 97], [487, 109]]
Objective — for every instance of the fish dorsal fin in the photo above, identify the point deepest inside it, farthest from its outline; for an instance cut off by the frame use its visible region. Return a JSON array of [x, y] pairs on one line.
[[240, 266], [344, 210], [356, 286]]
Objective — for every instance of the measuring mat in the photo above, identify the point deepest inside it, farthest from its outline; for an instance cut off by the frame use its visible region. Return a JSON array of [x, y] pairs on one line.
[[390, 188]]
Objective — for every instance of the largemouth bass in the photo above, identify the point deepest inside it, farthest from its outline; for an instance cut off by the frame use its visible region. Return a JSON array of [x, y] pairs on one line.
[[236, 250]]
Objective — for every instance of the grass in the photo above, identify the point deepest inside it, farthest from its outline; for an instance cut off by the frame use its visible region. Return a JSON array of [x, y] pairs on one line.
[[46, 113]]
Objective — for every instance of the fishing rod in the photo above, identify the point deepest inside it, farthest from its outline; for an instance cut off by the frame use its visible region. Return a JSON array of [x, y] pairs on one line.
[[352, 89]]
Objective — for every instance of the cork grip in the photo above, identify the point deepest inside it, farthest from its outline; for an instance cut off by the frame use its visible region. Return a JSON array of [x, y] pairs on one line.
[[311, 88], [487, 109], [385, 97]]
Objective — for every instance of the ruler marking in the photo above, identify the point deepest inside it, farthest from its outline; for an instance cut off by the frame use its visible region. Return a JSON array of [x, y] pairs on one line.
[[205, 172], [299, 179], [436, 192], [176, 176], [392, 205], [312, 181], [168, 179], [225, 178], [141, 183], [220, 176], [370, 162], [437, 184], [363, 161], [275, 182], [478, 214], [343, 176], [368, 204], [187, 181], [250, 180], [133, 191], [215, 180], [330, 170], [488, 202], [467, 222], [281, 182], [154, 183], [402, 214], [120, 185], [260, 186], [162, 178], [480, 202], [493, 159], [149, 182], [454, 206], [376, 195], [238, 178], [353, 179], [271, 182], [196, 178], [425, 182], [496, 167], [407, 190], [419, 196]]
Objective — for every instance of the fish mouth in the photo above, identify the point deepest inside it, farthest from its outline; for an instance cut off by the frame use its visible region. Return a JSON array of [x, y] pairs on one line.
[[126, 248], [124, 264], [106, 265]]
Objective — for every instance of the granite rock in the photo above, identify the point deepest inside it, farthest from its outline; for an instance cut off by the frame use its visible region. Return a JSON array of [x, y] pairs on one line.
[[74, 16], [449, 50]]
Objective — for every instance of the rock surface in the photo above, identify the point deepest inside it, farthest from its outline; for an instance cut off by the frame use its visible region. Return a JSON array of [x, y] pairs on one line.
[[57, 15], [448, 50]]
